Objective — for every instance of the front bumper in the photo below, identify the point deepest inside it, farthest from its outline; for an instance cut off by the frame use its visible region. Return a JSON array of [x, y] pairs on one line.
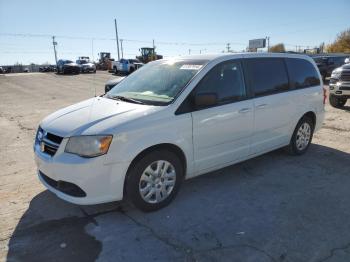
[[88, 69], [99, 182], [71, 69], [339, 88]]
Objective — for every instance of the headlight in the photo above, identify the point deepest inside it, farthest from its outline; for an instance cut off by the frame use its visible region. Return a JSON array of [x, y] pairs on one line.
[[40, 134], [89, 146]]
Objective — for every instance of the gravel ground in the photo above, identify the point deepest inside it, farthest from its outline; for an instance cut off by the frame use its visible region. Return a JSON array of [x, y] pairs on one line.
[[271, 208]]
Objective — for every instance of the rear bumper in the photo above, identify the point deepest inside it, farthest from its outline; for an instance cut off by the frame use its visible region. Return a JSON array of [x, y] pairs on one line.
[[319, 120]]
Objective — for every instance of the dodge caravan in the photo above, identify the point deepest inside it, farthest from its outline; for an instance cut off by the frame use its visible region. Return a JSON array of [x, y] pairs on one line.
[[175, 119]]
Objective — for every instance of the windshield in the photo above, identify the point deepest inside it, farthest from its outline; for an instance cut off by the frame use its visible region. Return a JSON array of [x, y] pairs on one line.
[[158, 83]]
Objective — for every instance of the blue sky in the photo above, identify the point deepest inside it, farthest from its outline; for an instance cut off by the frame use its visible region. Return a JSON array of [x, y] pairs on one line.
[[176, 26]]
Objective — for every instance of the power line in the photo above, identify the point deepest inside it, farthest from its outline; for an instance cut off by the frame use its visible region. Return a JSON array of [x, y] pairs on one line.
[[114, 39]]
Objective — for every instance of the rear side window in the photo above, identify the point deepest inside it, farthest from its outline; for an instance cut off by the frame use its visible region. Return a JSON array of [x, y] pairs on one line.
[[225, 80], [267, 75], [301, 73]]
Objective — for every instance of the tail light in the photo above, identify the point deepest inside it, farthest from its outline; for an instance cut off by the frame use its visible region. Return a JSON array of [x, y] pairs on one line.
[[324, 95]]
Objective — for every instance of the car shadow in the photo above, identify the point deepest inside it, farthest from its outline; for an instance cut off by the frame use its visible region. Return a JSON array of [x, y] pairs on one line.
[[274, 207], [346, 108], [67, 74]]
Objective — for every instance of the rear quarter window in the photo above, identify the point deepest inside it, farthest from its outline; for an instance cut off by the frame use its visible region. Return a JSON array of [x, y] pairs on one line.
[[301, 73]]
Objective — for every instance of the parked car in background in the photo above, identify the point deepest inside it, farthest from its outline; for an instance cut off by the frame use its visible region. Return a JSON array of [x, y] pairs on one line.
[[26, 70], [177, 119], [339, 86], [326, 64], [49, 68], [126, 66], [1, 70], [67, 67], [85, 65], [112, 83]]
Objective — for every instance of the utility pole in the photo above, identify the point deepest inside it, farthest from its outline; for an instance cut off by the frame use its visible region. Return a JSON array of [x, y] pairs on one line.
[[121, 47], [189, 51], [228, 47], [268, 43], [154, 51], [54, 48], [92, 49], [116, 37]]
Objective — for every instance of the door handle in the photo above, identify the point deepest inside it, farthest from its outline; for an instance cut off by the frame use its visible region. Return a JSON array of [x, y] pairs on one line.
[[244, 110], [261, 106]]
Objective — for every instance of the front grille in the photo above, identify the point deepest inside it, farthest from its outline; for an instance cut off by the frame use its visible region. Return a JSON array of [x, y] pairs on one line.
[[54, 138], [345, 75], [49, 143], [344, 88]]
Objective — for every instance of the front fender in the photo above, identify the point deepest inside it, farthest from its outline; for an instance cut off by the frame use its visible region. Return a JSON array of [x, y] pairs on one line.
[[128, 144]]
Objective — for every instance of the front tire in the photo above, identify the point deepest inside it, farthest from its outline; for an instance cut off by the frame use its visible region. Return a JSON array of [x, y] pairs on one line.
[[337, 102], [302, 136], [154, 180]]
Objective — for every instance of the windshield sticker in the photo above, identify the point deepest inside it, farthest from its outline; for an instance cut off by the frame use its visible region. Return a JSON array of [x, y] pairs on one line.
[[191, 67]]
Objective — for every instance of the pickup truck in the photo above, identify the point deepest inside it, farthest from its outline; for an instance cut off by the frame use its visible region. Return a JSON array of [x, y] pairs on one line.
[[326, 64], [339, 86], [126, 66]]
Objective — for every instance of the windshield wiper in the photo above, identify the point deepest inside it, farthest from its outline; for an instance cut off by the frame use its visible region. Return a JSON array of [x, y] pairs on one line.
[[126, 99]]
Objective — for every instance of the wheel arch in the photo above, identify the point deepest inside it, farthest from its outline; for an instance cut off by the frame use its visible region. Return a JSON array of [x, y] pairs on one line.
[[163, 146], [311, 115]]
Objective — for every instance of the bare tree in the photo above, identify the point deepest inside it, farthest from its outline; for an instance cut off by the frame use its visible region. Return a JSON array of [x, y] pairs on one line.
[[341, 43]]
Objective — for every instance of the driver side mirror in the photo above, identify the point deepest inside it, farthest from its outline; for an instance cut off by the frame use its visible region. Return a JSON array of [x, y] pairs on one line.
[[203, 100]]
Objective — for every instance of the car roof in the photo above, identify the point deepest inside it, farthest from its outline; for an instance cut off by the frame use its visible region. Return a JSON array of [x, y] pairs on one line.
[[226, 56]]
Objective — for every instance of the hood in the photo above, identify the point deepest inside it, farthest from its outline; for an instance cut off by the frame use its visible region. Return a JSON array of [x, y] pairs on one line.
[[346, 66], [93, 116], [88, 65], [71, 64]]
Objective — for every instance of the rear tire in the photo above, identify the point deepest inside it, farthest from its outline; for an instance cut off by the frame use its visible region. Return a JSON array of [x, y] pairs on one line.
[[302, 136], [154, 180], [337, 102]]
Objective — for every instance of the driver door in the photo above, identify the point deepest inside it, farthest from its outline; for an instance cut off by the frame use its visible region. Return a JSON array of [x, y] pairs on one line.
[[222, 133]]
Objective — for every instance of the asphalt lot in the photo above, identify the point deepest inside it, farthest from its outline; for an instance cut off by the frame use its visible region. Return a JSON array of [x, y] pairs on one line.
[[271, 208]]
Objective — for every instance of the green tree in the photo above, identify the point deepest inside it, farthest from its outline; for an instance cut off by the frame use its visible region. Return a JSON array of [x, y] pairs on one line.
[[278, 48], [341, 43]]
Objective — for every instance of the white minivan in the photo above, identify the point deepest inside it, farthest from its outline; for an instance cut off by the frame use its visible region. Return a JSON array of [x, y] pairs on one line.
[[175, 119]]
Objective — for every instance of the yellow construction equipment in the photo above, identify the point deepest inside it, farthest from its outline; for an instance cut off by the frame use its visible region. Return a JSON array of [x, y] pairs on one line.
[[148, 54]]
